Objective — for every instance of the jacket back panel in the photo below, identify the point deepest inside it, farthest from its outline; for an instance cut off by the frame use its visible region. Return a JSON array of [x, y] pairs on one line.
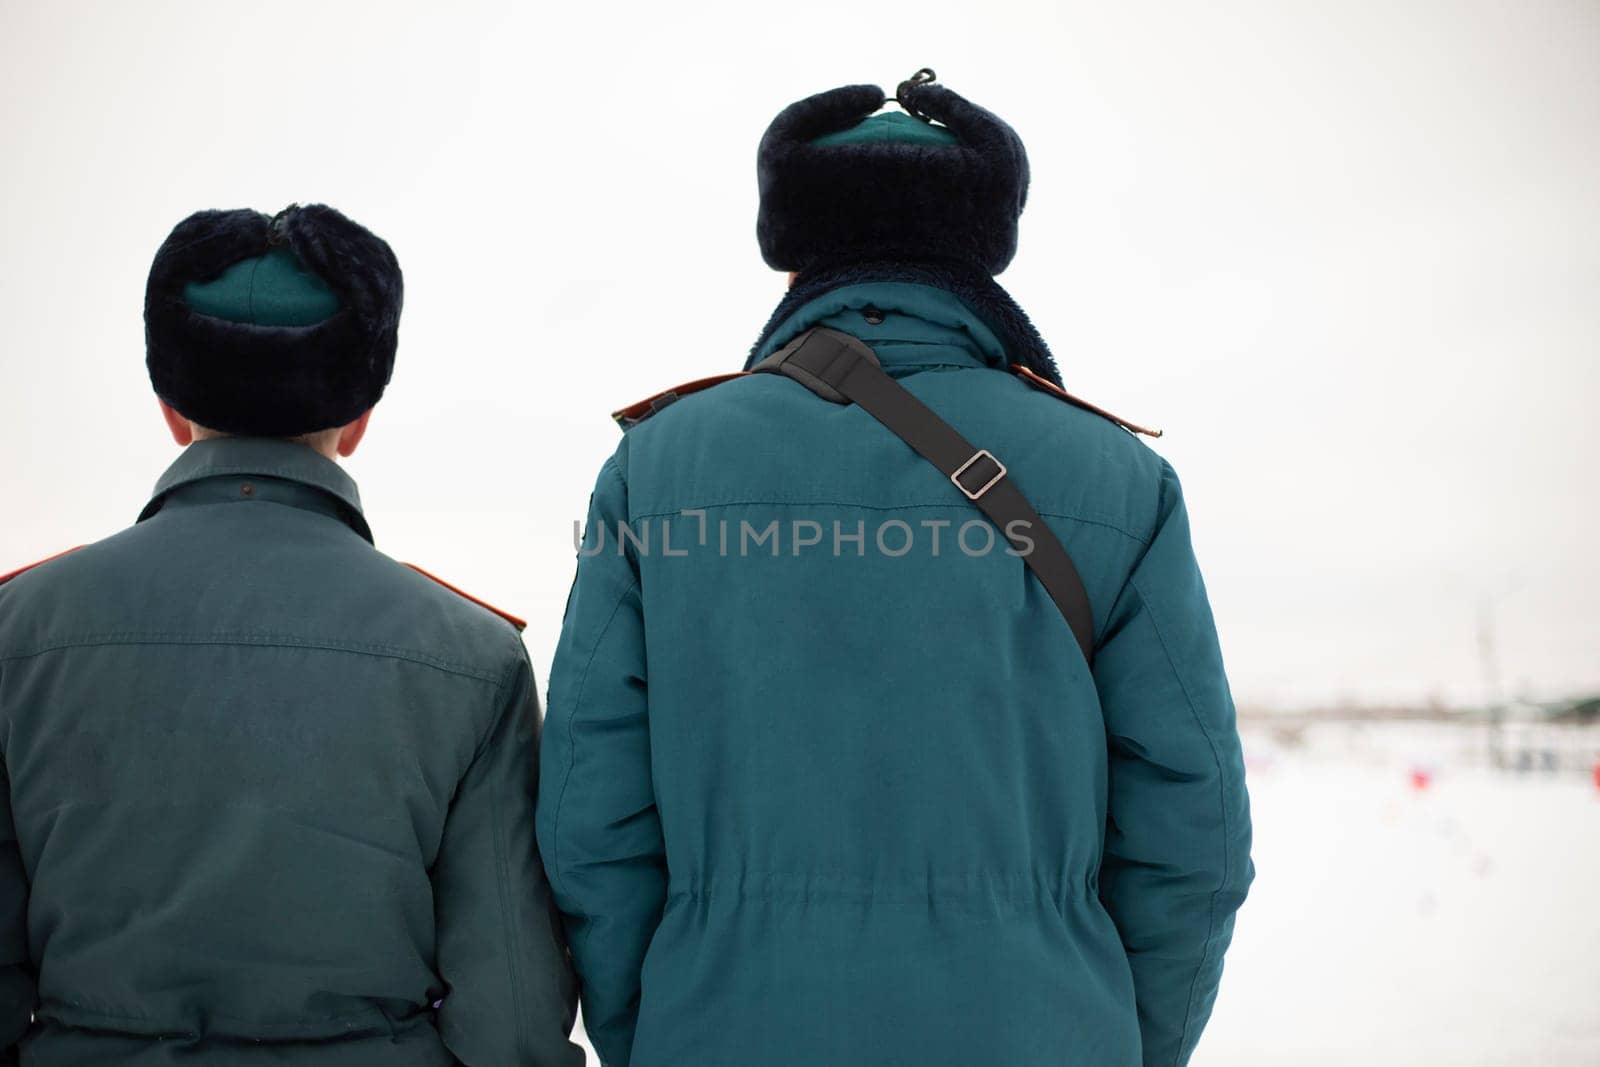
[[880, 769], [232, 734]]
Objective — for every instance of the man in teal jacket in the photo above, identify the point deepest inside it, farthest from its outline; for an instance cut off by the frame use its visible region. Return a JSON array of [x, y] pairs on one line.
[[268, 793], [827, 779]]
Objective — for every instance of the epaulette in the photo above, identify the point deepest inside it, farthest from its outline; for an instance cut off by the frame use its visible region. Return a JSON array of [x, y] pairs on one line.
[[634, 414], [520, 624], [1046, 385], [4, 578]]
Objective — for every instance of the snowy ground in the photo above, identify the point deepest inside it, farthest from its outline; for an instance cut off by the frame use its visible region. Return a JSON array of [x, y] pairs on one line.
[[1458, 924], [1392, 926]]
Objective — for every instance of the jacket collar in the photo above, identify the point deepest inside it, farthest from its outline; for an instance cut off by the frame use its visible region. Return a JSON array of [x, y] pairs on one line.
[[975, 291], [281, 471], [908, 325]]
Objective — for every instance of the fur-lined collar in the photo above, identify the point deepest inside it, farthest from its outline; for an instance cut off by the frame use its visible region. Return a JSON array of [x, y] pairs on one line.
[[974, 288]]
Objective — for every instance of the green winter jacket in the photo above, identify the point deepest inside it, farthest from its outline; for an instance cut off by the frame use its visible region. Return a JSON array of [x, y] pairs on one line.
[[268, 795], [826, 782]]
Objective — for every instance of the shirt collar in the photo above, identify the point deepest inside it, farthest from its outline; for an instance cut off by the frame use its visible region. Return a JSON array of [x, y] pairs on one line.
[[906, 323], [298, 465]]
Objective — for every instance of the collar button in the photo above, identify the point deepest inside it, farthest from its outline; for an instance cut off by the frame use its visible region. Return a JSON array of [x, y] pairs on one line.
[[247, 489]]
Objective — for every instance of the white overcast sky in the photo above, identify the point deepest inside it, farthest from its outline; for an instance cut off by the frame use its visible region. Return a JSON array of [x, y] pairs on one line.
[[1347, 254]]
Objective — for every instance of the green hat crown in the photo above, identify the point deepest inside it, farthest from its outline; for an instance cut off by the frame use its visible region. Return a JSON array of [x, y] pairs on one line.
[[890, 127], [272, 289]]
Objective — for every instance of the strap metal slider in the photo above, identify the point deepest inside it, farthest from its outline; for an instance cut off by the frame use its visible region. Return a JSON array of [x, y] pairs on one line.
[[978, 456]]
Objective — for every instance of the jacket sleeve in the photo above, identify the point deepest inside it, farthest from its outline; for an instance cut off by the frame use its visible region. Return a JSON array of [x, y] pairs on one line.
[[510, 994], [598, 826], [1177, 849], [17, 983]]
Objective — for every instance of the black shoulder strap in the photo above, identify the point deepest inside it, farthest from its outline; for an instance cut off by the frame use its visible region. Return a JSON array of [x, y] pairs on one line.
[[842, 369]]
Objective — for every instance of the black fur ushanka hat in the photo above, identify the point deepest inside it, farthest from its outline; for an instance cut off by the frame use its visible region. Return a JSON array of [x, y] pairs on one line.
[[828, 204], [227, 364]]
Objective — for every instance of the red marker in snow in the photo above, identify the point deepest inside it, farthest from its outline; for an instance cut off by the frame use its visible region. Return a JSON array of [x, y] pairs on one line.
[[1422, 778]]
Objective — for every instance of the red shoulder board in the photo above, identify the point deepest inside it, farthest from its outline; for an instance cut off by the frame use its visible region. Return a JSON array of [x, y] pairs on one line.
[[634, 414], [520, 624], [4, 578], [1053, 389]]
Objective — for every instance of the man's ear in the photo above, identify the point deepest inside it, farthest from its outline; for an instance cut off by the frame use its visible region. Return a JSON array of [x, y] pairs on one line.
[[182, 432], [351, 434]]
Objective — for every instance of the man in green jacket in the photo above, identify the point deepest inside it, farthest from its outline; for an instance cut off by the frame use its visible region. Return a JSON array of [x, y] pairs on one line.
[[269, 794], [828, 778]]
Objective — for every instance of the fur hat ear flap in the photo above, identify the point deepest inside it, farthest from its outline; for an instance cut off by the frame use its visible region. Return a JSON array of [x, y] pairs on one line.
[[977, 127], [822, 114], [357, 264]]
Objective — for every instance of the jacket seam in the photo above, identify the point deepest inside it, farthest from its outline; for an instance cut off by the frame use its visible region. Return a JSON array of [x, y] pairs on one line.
[[572, 722], [507, 913], [780, 888], [877, 507], [263, 639], [507, 678], [615, 468], [1222, 784], [287, 1026]]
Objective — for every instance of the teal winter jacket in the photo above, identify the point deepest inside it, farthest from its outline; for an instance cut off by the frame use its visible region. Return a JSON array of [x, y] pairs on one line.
[[827, 780], [267, 795]]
